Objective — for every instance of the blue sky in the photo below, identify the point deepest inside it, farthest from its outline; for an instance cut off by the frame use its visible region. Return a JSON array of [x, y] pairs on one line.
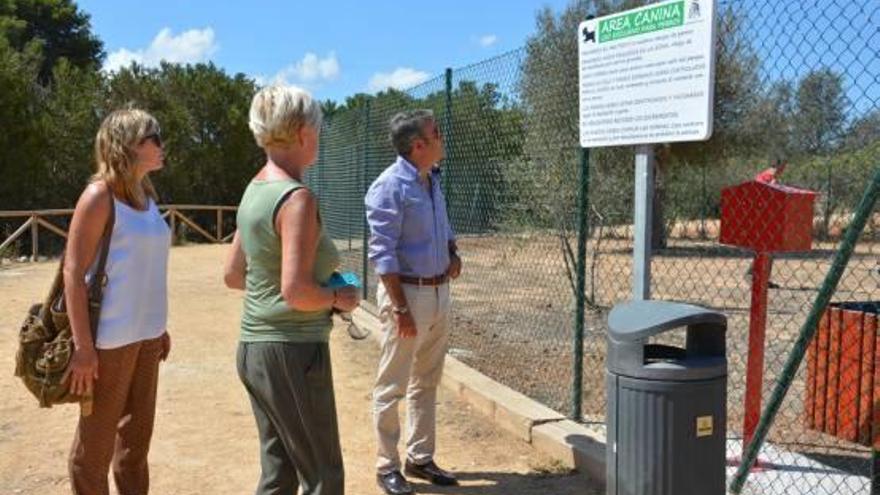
[[335, 48]]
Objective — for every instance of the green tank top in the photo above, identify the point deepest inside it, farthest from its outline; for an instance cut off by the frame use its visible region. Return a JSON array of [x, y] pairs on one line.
[[266, 317]]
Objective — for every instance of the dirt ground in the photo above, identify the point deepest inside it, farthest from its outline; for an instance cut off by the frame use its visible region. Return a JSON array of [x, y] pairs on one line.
[[205, 439], [514, 311]]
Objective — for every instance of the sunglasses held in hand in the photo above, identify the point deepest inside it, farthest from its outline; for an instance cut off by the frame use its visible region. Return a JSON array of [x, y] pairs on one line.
[[348, 279]]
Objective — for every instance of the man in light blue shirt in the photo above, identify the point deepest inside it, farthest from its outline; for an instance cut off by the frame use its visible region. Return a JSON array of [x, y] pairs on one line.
[[413, 250]]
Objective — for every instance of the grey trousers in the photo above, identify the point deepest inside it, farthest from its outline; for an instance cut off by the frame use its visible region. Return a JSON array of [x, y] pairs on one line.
[[291, 392]]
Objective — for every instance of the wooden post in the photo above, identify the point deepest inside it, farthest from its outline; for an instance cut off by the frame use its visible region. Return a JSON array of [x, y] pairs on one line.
[[35, 238], [15, 235], [172, 218], [219, 225]]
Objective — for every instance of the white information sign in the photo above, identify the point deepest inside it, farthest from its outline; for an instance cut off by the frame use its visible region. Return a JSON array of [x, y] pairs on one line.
[[647, 75]]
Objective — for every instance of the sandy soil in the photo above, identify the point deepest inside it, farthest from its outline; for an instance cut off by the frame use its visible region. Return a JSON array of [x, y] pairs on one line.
[[514, 314], [205, 438]]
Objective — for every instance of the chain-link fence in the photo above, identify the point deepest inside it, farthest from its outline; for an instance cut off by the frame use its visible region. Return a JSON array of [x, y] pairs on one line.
[[796, 82]]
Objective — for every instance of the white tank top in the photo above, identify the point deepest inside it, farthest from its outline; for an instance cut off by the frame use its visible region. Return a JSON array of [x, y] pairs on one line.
[[135, 304]]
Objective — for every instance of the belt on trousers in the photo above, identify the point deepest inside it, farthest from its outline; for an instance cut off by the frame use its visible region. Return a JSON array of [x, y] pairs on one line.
[[426, 281]]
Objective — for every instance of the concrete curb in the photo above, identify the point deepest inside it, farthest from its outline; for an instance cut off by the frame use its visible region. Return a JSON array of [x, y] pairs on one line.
[[545, 429]]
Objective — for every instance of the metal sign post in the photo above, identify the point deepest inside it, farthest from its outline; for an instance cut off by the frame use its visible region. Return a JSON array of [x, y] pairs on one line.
[[644, 211]]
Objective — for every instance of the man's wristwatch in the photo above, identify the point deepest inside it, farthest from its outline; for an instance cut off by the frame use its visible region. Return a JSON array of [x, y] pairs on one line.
[[400, 310]]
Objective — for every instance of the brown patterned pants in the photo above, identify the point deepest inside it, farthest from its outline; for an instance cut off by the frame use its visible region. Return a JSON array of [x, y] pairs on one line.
[[121, 424]]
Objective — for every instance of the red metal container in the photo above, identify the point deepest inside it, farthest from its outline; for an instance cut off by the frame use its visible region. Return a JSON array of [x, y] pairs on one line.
[[768, 218]]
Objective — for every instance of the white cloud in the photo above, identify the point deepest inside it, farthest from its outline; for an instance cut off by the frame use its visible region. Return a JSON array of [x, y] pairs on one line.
[[400, 78], [311, 69], [193, 46], [121, 58], [488, 40]]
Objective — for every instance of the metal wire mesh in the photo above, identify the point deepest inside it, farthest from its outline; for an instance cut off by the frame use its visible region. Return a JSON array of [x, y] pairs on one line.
[[795, 81]]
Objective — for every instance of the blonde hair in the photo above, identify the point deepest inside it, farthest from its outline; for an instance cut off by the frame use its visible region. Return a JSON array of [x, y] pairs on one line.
[[115, 154], [278, 111]]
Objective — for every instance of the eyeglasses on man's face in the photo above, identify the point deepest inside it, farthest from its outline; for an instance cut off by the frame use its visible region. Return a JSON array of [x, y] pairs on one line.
[[434, 132]]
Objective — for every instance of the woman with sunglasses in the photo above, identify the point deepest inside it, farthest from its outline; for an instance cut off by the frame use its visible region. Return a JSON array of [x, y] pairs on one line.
[[120, 367]]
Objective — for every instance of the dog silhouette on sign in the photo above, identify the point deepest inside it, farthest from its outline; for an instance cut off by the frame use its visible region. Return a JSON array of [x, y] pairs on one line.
[[589, 35]]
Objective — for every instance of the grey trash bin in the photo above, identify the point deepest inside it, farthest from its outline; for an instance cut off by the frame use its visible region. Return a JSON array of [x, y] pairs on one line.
[[666, 413]]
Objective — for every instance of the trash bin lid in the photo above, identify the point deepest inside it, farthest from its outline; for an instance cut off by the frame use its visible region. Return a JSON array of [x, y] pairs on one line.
[[636, 320]]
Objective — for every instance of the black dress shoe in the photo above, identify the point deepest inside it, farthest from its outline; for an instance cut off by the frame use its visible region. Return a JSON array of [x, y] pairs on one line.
[[431, 472], [394, 483]]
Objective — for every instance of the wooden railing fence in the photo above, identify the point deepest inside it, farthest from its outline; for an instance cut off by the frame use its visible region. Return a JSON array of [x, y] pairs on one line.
[[36, 219]]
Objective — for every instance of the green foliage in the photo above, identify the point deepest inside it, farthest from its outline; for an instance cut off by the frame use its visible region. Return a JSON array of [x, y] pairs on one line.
[[69, 120], [58, 28], [210, 151], [864, 131], [54, 97], [329, 108], [21, 101], [510, 125], [821, 111], [482, 132], [756, 120]]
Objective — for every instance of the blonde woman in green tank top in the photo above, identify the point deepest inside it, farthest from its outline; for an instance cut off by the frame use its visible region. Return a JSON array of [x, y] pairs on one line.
[[282, 258]]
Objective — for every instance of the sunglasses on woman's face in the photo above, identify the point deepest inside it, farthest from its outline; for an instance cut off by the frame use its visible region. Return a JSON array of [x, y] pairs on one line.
[[155, 138]]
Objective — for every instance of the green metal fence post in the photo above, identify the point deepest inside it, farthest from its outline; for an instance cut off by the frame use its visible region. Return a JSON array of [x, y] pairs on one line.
[[704, 202], [794, 360], [448, 115], [447, 141], [580, 267], [826, 224], [365, 140]]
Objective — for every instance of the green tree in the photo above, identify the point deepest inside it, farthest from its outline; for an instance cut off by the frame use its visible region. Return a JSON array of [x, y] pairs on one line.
[[58, 27], [70, 118], [864, 131], [770, 123], [357, 100], [49, 60], [20, 105], [549, 94], [210, 152], [819, 129], [483, 136], [546, 174], [329, 108], [821, 111]]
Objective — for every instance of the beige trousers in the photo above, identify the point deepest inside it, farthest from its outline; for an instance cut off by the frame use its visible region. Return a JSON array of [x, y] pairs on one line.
[[412, 368]]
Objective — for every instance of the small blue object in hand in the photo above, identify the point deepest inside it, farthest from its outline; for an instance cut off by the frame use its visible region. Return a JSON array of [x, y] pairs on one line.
[[343, 279]]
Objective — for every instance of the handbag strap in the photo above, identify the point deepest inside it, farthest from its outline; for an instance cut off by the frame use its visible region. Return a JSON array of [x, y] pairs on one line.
[[96, 289]]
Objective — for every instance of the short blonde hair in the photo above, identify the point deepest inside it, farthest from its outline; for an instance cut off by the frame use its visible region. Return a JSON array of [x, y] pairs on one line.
[[278, 111], [116, 152]]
